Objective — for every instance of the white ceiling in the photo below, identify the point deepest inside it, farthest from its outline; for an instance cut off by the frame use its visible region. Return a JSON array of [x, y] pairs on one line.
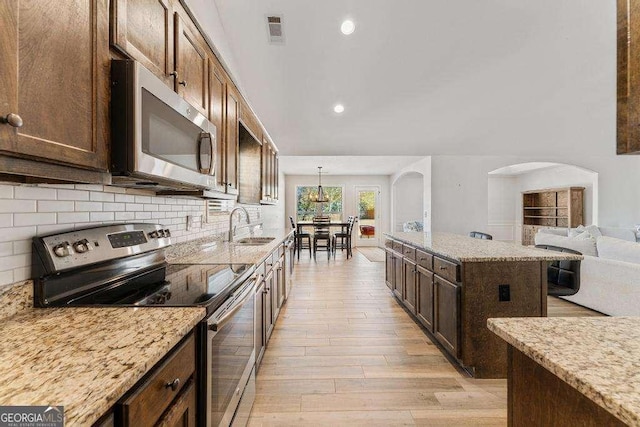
[[345, 165], [428, 77]]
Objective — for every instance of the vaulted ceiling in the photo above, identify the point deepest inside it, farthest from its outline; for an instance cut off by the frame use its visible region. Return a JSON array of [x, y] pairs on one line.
[[427, 77]]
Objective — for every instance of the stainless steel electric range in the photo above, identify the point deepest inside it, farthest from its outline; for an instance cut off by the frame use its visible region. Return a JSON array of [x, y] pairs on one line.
[[125, 265]]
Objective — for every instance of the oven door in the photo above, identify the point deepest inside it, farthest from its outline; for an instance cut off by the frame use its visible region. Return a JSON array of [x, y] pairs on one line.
[[230, 356], [165, 136]]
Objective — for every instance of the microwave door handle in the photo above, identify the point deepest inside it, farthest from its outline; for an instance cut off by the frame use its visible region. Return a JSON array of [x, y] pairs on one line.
[[205, 137]]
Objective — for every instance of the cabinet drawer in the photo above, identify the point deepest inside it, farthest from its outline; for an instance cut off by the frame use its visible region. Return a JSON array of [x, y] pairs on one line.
[[397, 246], [424, 259], [446, 269], [152, 398], [409, 252]]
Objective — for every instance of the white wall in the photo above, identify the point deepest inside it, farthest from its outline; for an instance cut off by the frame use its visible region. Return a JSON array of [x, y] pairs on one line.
[[273, 216], [503, 193], [424, 168], [350, 182], [408, 199], [460, 186]]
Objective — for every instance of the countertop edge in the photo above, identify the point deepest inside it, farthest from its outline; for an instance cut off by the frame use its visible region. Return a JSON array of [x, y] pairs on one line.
[[616, 409]]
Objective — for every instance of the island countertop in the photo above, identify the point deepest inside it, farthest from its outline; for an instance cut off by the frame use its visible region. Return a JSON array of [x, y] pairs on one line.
[[596, 356], [466, 249], [85, 359]]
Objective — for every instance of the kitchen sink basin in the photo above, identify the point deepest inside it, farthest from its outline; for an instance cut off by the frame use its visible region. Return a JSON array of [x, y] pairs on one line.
[[254, 241]]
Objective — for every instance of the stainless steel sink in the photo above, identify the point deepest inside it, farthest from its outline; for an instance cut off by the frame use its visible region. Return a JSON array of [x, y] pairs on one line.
[[254, 241]]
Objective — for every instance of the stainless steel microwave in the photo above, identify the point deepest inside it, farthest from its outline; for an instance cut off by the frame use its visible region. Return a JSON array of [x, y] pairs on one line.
[[158, 140]]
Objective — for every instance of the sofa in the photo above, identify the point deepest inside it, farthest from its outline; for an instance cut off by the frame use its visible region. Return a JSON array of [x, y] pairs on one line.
[[610, 271]]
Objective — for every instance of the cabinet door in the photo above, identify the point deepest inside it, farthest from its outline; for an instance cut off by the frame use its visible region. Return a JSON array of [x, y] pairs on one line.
[[268, 306], [628, 107], [259, 320], [281, 281], [424, 286], [388, 271], [409, 276], [143, 29], [276, 178], [275, 306], [182, 413], [231, 137], [54, 79], [191, 64], [397, 272], [217, 100], [446, 310]]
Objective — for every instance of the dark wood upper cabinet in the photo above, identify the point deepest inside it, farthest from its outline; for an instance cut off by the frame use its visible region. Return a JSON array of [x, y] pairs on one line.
[[54, 81], [144, 30], [191, 64], [217, 101], [231, 140], [628, 119]]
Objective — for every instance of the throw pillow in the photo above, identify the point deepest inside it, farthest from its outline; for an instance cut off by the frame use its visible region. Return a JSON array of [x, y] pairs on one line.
[[618, 249], [582, 243]]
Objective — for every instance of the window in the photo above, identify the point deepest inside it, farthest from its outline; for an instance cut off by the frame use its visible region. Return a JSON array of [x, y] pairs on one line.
[[306, 208]]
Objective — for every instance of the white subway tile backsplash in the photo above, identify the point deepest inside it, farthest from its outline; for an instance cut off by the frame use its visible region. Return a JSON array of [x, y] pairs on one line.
[[125, 216], [127, 198], [34, 193], [9, 205], [70, 218], [55, 206], [88, 206], [27, 211], [113, 207], [101, 216], [73, 195], [6, 191], [22, 247], [24, 219], [6, 249], [101, 197]]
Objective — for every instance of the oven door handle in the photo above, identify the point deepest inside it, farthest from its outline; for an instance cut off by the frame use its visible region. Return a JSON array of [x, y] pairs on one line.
[[224, 319]]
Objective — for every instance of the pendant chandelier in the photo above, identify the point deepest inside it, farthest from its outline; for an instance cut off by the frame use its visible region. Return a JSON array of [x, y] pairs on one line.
[[320, 198]]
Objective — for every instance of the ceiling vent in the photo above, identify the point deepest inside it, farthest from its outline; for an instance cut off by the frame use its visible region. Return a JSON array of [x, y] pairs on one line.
[[274, 25]]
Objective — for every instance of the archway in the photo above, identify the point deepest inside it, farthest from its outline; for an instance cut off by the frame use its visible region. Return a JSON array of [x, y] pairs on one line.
[[506, 185], [408, 195]]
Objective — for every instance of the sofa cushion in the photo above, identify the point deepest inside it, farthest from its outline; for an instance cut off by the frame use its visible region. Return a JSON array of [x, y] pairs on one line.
[[628, 234], [618, 249], [582, 243], [594, 230], [555, 231]]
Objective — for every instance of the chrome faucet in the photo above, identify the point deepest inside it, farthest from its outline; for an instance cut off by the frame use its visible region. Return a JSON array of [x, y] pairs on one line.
[[231, 228]]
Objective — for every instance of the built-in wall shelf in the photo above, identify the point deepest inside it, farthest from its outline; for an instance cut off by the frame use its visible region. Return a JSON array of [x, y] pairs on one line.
[[553, 207]]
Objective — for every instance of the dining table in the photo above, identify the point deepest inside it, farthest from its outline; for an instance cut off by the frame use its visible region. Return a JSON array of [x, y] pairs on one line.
[[333, 224]]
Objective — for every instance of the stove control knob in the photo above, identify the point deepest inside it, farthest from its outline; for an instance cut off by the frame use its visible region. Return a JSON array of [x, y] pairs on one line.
[[167, 233], [82, 246], [61, 250], [160, 233], [153, 235]]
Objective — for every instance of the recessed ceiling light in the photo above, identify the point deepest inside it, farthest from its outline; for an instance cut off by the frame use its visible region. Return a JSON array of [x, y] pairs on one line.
[[339, 108], [347, 27]]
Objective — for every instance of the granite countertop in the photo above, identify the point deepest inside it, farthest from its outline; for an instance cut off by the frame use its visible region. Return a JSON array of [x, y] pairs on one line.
[[466, 249], [596, 356], [211, 251]]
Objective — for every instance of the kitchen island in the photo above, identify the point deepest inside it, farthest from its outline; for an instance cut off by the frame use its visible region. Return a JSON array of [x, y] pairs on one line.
[[452, 284], [572, 371]]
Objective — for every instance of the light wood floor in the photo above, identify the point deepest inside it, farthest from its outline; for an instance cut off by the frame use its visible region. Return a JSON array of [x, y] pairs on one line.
[[344, 353]]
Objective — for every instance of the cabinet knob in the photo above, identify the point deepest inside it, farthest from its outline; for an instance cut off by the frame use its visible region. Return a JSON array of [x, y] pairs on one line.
[[183, 83], [174, 74], [173, 385], [12, 120], [443, 268]]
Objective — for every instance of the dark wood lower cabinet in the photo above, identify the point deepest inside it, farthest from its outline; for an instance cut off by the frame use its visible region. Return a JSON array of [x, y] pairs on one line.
[[536, 397], [388, 271], [409, 276], [183, 412], [424, 308], [446, 309], [397, 274]]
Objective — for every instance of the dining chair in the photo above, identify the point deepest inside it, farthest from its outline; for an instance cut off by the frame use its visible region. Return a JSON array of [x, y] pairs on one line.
[[345, 238], [480, 235], [322, 235], [299, 238]]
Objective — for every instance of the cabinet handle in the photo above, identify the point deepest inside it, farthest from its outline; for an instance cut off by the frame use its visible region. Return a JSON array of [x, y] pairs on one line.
[[183, 83], [12, 119], [443, 268], [174, 74], [173, 385]]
